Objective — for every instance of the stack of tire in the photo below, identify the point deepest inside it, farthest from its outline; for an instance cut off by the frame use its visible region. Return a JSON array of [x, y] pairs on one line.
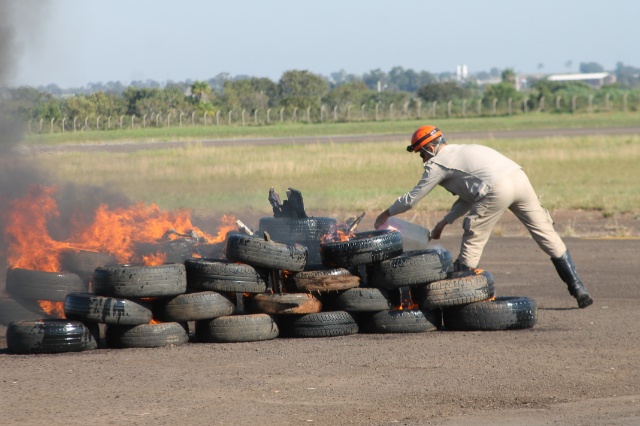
[[378, 305]]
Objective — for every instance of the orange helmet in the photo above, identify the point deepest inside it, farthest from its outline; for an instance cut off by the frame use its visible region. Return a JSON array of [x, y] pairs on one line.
[[423, 136]]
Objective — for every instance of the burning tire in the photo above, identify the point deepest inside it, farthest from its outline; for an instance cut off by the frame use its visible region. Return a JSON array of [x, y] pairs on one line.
[[83, 263], [359, 300], [321, 324], [224, 275], [194, 307], [47, 336], [458, 291], [503, 313], [401, 321], [363, 248], [259, 253], [140, 281], [29, 285], [326, 280], [11, 310], [106, 310], [417, 267], [237, 328], [146, 335], [283, 304]]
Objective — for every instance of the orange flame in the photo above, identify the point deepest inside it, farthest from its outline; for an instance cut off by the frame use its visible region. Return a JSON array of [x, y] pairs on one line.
[[115, 231], [337, 236], [53, 309]]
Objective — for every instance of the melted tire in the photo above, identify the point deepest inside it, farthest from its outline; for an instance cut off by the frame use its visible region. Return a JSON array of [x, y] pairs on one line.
[[291, 230], [194, 307], [140, 281], [418, 267], [237, 328], [503, 313], [401, 321], [48, 336], [146, 335], [326, 280], [224, 275], [321, 324], [106, 310], [458, 291], [363, 248], [359, 300], [259, 253]]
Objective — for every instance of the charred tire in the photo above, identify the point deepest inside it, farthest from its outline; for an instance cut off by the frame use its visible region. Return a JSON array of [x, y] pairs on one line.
[[503, 313], [400, 321], [359, 300], [259, 253], [174, 251], [321, 324], [458, 291], [48, 336], [194, 307], [417, 267], [283, 304], [140, 281], [296, 230], [363, 248], [224, 275], [326, 280], [147, 335], [106, 310], [29, 285], [237, 328], [11, 310], [83, 263]]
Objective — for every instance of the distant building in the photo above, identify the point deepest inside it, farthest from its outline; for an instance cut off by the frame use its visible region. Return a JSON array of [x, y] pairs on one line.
[[595, 79]]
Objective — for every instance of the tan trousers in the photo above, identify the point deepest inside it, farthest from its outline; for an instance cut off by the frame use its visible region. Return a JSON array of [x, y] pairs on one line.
[[516, 194]]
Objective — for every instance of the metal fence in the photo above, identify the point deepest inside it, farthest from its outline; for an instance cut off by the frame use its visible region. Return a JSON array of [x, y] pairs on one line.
[[411, 110]]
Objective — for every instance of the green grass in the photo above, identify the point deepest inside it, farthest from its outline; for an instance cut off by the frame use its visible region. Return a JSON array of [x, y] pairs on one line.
[[343, 179], [194, 133]]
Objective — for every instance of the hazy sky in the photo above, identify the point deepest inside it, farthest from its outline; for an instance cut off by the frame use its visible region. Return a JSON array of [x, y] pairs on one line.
[[74, 42]]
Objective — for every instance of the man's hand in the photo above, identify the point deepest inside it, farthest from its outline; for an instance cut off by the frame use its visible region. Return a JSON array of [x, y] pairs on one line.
[[380, 220], [437, 231]]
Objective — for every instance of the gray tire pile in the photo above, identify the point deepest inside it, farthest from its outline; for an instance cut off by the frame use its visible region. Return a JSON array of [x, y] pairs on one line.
[[367, 284]]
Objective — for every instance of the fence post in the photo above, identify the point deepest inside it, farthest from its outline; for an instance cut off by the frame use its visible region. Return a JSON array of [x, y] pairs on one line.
[[308, 114], [495, 104], [606, 102], [525, 107], [98, 122], [434, 109], [464, 107], [51, 128], [377, 107], [405, 108], [479, 107], [321, 113], [242, 117], [193, 118], [144, 121], [335, 113], [281, 115], [74, 123], [158, 120], [217, 118], [268, 115], [362, 112], [180, 118], [255, 116], [294, 117], [133, 118], [558, 102], [391, 111], [573, 104], [205, 118], [109, 123], [541, 105], [41, 121], [348, 112], [121, 118], [509, 103], [449, 109], [63, 120], [230, 111]]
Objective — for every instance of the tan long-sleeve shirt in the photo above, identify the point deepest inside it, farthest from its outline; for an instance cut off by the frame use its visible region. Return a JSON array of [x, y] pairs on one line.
[[468, 171]]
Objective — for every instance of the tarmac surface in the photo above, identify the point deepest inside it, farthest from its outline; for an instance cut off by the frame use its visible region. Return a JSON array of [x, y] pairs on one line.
[[576, 366]]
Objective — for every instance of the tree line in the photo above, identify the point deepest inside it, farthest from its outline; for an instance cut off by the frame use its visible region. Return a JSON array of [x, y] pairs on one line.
[[305, 96]]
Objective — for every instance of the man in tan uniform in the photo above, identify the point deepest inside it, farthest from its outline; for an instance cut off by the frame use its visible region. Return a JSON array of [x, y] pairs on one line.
[[487, 184]]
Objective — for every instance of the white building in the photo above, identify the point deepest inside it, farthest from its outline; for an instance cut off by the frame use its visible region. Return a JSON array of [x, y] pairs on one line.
[[595, 79]]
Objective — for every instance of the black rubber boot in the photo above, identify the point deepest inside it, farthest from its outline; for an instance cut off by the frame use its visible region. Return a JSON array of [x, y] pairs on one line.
[[567, 271]]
